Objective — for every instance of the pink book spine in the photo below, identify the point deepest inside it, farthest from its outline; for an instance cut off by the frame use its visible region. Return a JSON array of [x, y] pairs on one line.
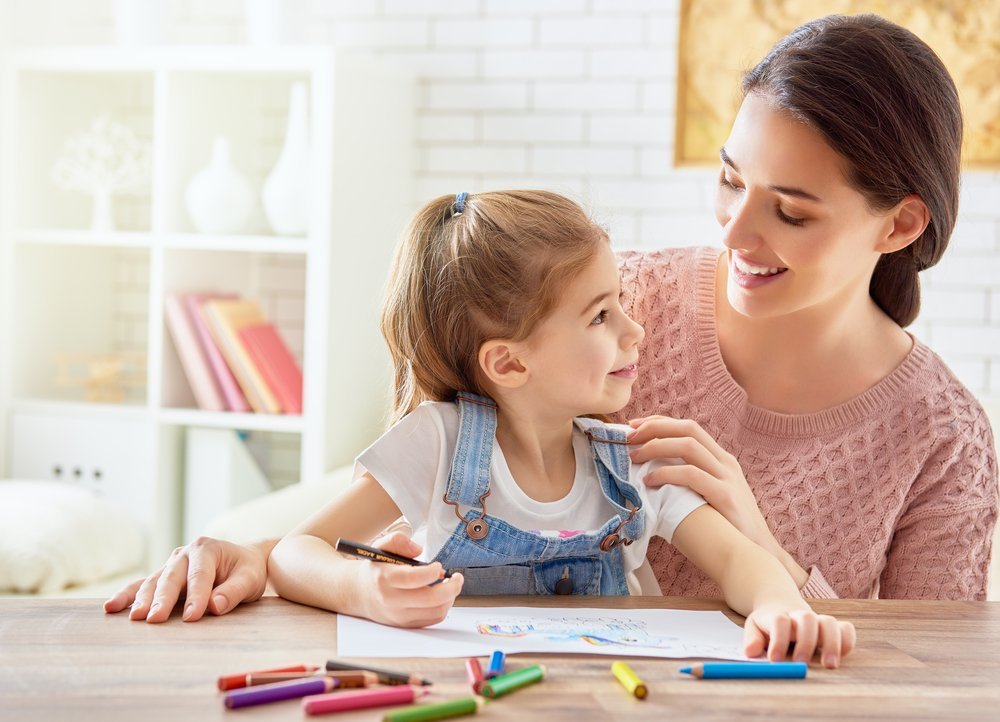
[[234, 398], [193, 360]]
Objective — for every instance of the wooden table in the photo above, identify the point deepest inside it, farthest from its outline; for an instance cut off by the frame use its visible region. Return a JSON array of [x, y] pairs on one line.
[[67, 660]]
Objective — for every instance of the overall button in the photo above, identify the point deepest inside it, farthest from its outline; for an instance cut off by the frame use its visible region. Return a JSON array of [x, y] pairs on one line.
[[477, 529]]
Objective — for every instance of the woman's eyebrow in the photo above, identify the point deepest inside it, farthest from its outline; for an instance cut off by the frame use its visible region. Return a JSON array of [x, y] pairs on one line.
[[783, 190]]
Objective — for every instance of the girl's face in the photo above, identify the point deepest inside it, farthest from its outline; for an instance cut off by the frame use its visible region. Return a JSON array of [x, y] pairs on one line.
[[583, 357], [800, 239]]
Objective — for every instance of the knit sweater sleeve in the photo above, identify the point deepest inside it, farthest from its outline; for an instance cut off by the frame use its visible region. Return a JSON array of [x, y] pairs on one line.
[[941, 544]]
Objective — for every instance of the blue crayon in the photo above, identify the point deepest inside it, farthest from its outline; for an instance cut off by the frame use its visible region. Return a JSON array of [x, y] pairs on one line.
[[747, 670], [496, 665]]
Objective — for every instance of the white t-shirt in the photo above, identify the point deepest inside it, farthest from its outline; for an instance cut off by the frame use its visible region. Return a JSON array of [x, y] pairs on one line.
[[412, 461]]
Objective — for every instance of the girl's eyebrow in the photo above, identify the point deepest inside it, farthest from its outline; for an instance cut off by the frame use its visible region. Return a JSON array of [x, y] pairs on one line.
[[597, 300], [783, 190]]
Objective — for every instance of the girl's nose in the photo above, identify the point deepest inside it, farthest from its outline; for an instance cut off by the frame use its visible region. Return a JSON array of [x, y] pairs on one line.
[[634, 333]]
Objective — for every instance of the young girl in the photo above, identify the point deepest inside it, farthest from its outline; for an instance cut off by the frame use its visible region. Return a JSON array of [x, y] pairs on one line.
[[504, 324]]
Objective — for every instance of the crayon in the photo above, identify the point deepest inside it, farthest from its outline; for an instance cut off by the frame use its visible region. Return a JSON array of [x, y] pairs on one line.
[[747, 670], [385, 676], [512, 681], [362, 698], [235, 681], [278, 691], [629, 680], [346, 678], [363, 551], [496, 665], [474, 673], [435, 711]]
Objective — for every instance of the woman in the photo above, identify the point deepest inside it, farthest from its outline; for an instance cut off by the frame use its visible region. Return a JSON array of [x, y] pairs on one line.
[[804, 411]]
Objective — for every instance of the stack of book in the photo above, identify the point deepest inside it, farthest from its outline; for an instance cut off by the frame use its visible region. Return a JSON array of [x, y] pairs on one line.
[[233, 357]]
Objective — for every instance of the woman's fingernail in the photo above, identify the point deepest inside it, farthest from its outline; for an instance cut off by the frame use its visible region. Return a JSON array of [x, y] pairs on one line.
[[220, 603], [830, 661], [152, 609], [187, 612]]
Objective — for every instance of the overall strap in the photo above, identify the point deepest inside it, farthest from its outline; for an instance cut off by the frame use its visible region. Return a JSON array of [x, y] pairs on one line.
[[611, 459], [469, 479]]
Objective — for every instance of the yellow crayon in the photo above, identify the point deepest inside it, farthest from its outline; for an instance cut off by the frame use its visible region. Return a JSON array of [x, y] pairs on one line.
[[629, 679]]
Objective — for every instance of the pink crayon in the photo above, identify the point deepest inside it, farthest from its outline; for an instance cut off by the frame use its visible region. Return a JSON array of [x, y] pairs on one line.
[[362, 698]]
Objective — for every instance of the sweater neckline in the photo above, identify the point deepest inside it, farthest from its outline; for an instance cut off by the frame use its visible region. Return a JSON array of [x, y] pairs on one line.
[[866, 404]]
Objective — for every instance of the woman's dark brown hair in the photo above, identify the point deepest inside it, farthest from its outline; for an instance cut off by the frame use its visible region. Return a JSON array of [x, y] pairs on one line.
[[885, 102]]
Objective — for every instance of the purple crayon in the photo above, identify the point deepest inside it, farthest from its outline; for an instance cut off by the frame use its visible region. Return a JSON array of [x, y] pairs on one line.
[[278, 691]]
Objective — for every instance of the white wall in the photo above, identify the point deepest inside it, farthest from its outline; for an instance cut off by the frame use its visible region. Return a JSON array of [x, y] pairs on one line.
[[572, 95]]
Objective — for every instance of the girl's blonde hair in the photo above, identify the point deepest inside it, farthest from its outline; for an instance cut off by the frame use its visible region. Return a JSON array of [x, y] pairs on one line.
[[458, 280]]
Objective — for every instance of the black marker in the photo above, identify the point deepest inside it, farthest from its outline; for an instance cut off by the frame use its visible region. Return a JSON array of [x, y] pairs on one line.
[[363, 551]]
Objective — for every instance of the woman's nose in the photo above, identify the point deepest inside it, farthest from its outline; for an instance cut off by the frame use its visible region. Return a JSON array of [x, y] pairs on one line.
[[738, 219]]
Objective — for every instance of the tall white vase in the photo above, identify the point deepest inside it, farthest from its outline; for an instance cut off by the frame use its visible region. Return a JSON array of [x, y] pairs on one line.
[[218, 198], [286, 191]]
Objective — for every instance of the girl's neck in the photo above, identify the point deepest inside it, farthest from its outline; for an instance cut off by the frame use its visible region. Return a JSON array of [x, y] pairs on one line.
[[809, 361], [538, 451]]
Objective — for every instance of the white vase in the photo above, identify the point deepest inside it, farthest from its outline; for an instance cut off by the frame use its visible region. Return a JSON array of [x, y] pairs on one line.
[[102, 219], [267, 22], [285, 195], [218, 198]]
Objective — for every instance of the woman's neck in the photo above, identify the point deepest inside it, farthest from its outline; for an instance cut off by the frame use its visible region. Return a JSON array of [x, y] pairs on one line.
[[812, 360], [538, 451]]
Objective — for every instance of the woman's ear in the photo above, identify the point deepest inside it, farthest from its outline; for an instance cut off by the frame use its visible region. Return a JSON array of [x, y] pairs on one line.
[[500, 362], [909, 220]]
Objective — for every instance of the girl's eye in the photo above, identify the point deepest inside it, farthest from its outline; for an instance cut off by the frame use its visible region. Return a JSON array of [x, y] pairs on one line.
[[790, 220], [599, 318]]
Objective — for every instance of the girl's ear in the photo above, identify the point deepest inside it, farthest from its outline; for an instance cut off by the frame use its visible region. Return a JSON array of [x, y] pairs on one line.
[[909, 219], [500, 362]]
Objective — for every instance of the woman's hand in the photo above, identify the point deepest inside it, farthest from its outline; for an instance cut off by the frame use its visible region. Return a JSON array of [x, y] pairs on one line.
[[708, 470], [217, 575], [774, 628], [407, 596]]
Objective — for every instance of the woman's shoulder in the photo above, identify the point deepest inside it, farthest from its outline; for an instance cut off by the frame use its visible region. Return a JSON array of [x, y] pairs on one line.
[[663, 260], [941, 398]]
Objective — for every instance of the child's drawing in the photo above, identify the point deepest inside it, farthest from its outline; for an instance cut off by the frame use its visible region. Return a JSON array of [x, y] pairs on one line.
[[599, 631]]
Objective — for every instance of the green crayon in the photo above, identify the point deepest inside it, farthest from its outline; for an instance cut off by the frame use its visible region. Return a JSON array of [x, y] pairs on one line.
[[435, 711], [512, 681]]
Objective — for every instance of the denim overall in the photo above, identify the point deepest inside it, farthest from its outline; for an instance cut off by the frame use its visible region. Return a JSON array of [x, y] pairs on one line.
[[498, 558]]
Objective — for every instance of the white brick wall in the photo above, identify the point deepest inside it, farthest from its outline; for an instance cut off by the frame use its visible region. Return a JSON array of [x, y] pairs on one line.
[[572, 95]]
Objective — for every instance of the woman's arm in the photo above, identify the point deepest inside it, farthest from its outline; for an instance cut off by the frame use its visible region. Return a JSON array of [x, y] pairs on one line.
[[757, 586], [714, 474], [305, 567], [216, 575]]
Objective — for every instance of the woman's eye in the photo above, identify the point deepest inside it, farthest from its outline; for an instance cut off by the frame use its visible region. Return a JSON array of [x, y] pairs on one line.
[[790, 220], [726, 183], [599, 318]]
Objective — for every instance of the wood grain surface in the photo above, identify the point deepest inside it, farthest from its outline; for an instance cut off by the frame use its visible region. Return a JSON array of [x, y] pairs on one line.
[[64, 659]]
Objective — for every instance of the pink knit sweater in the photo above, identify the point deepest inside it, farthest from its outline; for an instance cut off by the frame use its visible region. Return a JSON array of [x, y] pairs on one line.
[[892, 494]]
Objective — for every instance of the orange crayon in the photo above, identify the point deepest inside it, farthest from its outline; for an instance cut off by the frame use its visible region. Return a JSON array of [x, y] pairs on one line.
[[236, 681]]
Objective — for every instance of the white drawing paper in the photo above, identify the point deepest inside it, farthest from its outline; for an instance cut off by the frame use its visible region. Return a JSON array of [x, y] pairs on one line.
[[478, 631]]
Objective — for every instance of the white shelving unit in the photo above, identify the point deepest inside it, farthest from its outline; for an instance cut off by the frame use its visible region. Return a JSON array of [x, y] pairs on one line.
[[64, 288]]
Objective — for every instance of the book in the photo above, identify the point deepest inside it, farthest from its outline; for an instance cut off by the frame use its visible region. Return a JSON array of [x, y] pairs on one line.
[[276, 364], [231, 393], [196, 366], [224, 319]]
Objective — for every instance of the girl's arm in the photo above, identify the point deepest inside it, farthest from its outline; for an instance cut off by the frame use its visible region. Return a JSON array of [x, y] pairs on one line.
[[756, 585], [304, 566]]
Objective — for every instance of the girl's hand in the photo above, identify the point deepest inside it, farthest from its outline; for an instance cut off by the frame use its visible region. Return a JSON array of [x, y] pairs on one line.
[[773, 628], [401, 595], [708, 470]]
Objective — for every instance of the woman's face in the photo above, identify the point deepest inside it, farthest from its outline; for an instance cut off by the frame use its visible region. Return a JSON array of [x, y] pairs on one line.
[[799, 238]]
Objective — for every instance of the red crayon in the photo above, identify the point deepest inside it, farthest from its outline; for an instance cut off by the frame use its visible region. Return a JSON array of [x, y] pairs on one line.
[[362, 698], [474, 672], [235, 681]]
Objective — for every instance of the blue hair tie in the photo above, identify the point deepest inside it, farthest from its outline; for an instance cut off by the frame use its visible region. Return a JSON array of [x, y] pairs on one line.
[[459, 206]]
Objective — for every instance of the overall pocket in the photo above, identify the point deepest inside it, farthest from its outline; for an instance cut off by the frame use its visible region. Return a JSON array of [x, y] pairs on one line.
[[509, 579]]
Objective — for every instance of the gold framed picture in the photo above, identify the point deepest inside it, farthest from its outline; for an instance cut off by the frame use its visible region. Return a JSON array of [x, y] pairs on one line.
[[722, 39]]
